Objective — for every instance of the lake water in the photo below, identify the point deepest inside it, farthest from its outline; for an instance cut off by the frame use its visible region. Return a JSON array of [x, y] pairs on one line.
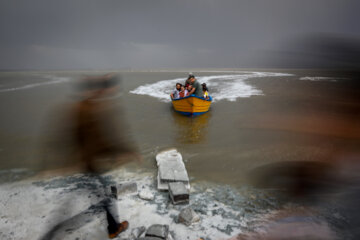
[[258, 118]]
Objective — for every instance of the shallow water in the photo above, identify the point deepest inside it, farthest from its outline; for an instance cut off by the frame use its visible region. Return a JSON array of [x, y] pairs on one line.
[[268, 116]]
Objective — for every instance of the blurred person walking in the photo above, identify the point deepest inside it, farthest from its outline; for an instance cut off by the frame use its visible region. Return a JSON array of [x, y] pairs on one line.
[[98, 141]]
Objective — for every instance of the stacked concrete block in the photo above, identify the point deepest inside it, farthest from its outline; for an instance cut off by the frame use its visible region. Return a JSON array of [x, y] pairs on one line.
[[171, 168], [178, 192]]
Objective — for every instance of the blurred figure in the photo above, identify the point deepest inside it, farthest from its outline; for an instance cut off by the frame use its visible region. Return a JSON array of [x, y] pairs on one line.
[[305, 183], [331, 182], [183, 92], [98, 141], [301, 227], [176, 93], [98, 131], [189, 88], [205, 90], [196, 87], [188, 80]]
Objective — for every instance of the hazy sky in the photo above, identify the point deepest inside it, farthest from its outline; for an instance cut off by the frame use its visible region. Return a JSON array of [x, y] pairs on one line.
[[79, 34]]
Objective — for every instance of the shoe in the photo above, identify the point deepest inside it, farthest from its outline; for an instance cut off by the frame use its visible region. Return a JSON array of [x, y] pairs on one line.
[[121, 227]]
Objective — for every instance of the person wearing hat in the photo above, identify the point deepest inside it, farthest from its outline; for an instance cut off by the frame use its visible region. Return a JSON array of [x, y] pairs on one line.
[[196, 87]]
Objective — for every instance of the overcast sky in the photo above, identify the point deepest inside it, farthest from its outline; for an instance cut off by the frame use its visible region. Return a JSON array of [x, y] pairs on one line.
[[104, 34]]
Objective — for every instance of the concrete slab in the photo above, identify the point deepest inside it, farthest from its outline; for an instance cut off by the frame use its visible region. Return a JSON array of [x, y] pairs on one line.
[[178, 192], [171, 168]]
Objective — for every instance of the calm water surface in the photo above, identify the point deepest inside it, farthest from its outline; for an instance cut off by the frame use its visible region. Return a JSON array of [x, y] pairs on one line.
[[304, 115]]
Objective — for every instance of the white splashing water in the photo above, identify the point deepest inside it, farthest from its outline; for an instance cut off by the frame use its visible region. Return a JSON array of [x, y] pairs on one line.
[[51, 80], [317, 79], [221, 87]]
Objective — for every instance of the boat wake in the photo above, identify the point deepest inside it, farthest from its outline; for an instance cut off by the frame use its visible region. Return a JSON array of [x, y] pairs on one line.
[[47, 80], [318, 79], [221, 87]]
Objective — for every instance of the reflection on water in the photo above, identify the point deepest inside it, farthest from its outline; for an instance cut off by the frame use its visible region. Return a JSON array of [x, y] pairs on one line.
[[191, 129]]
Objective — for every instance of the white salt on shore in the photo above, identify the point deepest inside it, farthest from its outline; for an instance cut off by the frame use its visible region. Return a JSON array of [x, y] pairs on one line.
[[28, 209]]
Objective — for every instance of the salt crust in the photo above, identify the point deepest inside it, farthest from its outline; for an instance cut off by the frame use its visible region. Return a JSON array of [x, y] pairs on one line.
[[28, 210]]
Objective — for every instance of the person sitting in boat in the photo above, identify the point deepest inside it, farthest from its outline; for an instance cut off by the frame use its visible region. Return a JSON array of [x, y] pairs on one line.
[[189, 88], [205, 91], [188, 82], [183, 92], [196, 87], [175, 93]]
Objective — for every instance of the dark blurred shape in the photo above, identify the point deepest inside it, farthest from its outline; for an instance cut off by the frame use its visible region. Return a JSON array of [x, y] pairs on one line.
[[301, 225], [302, 180], [89, 134], [93, 137], [331, 181], [320, 51], [98, 132]]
